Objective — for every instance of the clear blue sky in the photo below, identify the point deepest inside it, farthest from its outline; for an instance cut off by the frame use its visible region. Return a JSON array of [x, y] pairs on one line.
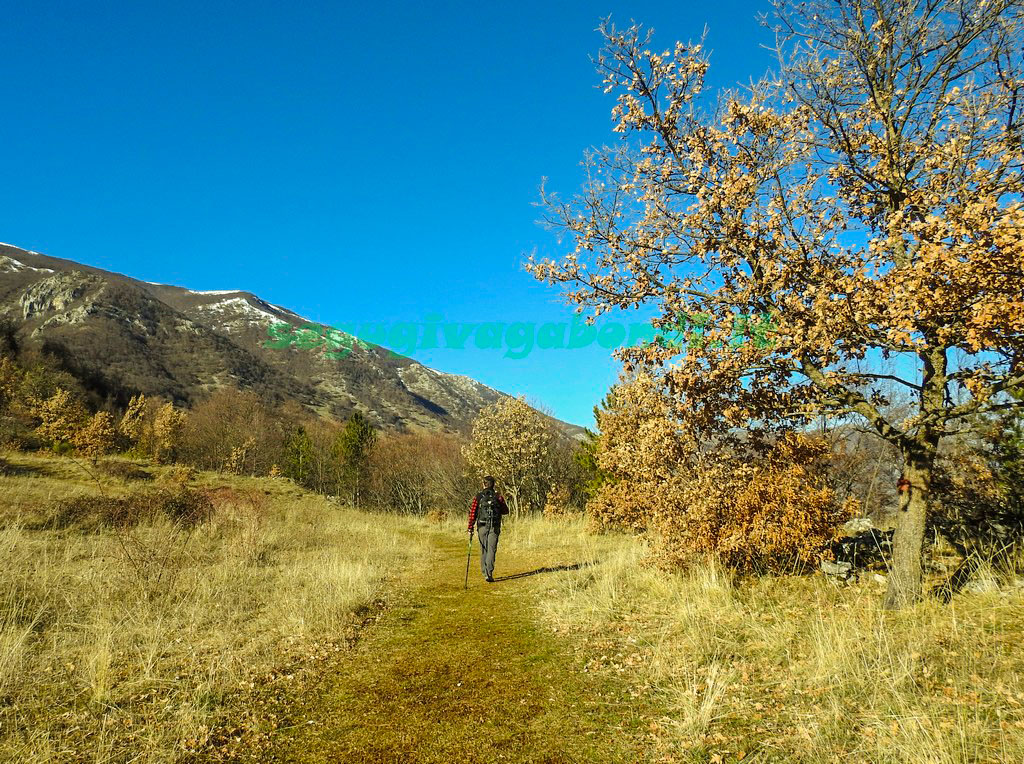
[[352, 162]]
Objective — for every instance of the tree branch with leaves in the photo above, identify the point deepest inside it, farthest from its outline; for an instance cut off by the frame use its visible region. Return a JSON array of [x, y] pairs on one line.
[[866, 196]]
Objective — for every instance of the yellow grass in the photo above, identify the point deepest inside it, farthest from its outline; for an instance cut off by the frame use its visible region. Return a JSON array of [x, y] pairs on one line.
[[130, 646], [133, 646], [791, 669]]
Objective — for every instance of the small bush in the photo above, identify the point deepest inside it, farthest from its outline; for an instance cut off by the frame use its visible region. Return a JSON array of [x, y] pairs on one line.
[[242, 516], [623, 505], [558, 502], [88, 513], [184, 507], [760, 503], [178, 475], [437, 516], [127, 471], [978, 505], [776, 515]]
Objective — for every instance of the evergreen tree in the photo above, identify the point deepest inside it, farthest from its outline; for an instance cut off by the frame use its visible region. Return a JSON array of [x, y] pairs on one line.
[[352, 450], [298, 457], [585, 459]]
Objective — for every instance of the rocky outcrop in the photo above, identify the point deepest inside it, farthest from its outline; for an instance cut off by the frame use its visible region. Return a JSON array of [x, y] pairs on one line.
[[863, 547], [59, 293]]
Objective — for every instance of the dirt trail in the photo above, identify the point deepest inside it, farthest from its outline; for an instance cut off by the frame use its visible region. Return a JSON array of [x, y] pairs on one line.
[[449, 675]]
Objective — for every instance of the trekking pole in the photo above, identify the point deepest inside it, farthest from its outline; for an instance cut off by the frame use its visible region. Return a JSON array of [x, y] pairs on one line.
[[469, 551]]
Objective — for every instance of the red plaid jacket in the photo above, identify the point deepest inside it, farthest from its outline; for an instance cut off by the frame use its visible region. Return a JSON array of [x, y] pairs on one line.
[[472, 508]]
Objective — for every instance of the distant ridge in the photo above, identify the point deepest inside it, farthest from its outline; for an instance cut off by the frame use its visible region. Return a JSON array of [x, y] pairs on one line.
[[167, 340]]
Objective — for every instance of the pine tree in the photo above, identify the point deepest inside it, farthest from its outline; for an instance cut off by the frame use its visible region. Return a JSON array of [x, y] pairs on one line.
[[298, 457], [352, 450]]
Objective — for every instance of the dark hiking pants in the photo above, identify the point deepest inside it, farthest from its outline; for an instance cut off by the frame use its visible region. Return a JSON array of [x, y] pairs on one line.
[[488, 535]]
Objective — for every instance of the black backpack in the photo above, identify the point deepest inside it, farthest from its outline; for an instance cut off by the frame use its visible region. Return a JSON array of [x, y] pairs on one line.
[[488, 509]]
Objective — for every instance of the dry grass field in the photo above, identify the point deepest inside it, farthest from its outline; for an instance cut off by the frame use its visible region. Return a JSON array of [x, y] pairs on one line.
[[132, 643], [130, 636], [794, 669]]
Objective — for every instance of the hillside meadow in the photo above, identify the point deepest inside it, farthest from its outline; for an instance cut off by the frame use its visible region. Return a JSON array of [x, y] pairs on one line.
[[794, 668], [149, 639], [128, 644]]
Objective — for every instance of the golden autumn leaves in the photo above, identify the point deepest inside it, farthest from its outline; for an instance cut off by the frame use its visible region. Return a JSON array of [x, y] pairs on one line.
[[755, 506], [866, 196]]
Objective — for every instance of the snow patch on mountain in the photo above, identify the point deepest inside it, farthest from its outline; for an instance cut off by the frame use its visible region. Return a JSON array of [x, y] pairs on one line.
[[289, 312], [15, 246], [10, 265], [239, 305], [436, 385]]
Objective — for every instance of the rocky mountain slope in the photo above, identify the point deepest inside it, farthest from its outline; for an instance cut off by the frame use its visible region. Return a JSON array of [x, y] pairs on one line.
[[129, 335]]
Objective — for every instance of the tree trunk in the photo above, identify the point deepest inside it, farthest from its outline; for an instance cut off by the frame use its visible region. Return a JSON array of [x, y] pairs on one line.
[[908, 540], [513, 495]]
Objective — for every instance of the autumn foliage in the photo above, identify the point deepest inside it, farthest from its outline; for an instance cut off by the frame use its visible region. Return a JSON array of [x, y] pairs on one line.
[[420, 473], [97, 437], [866, 196], [763, 506], [773, 513], [514, 443]]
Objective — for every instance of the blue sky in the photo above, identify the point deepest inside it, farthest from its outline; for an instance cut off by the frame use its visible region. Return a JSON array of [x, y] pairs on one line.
[[372, 162]]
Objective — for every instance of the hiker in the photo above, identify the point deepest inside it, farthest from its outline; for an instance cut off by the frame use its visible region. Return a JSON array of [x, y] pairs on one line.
[[486, 510]]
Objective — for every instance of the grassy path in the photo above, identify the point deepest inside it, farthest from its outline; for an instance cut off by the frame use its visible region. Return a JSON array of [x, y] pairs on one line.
[[449, 675]]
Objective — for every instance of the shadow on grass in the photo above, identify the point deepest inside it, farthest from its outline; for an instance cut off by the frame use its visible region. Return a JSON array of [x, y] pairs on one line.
[[551, 569], [17, 470]]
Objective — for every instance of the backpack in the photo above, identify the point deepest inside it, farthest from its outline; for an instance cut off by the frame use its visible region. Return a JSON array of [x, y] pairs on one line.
[[488, 509]]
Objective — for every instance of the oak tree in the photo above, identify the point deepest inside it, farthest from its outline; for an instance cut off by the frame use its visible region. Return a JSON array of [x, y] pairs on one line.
[[514, 443], [866, 197], [96, 437]]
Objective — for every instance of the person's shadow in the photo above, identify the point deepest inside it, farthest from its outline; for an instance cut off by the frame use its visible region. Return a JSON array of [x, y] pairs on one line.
[[552, 569]]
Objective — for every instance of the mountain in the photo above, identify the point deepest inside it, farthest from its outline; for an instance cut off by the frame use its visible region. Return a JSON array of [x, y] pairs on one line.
[[124, 336]]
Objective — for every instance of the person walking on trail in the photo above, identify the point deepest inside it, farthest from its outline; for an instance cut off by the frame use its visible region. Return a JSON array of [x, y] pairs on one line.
[[486, 510]]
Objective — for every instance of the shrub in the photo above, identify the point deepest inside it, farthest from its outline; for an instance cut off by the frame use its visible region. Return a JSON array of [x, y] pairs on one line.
[[184, 507], [178, 475], [60, 417], [559, 502], [418, 472], [758, 503], [624, 505], [96, 436], [979, 491], [89, 513], [772, 515], [232, 422], [123, 470], [641, 452], [437, 516], [241, 516], [979, 501]]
